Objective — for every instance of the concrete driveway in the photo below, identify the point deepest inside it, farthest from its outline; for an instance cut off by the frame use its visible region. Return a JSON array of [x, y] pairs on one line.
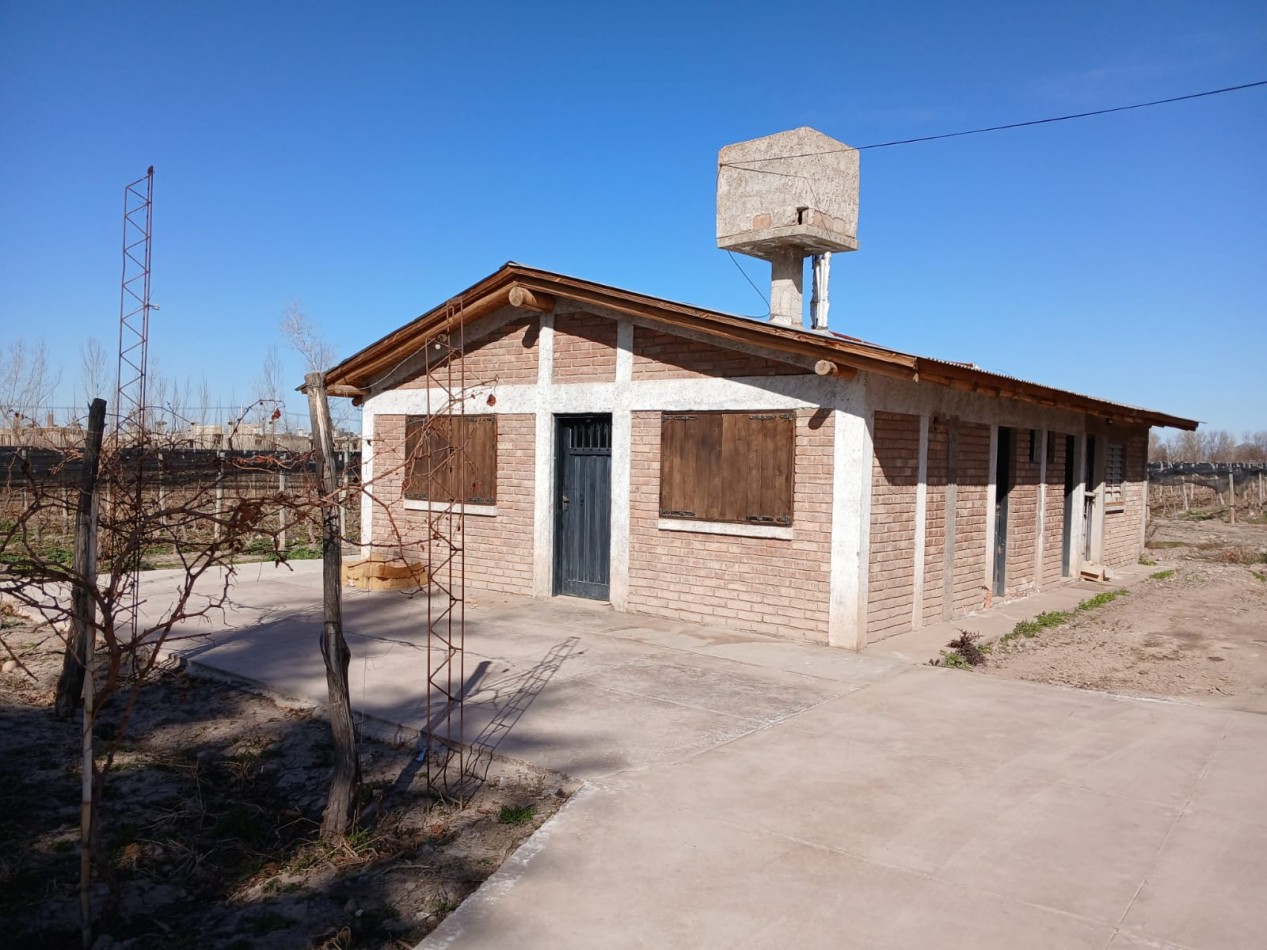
[[749, 792]]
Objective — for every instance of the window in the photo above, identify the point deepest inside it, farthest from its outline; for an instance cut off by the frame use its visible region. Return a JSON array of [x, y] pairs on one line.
[[1114, 472], [451, 459], [727, 466], [1034, 447]]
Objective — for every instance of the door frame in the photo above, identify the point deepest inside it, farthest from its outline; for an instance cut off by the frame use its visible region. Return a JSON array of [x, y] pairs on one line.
[[561, 421]]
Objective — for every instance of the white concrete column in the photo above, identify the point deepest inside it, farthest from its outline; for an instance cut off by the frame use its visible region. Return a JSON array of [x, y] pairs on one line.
[[622, 453], [991, 499], [543, 484], [367, 477], [1077, 536], [850, 528], [787, 277], [921, 524]]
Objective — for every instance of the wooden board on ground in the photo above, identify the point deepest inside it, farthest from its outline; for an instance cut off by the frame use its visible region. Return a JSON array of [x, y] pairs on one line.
[[379, 573]]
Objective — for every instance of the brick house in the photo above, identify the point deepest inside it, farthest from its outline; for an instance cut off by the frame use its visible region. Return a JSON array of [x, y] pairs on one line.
[[685, 463]]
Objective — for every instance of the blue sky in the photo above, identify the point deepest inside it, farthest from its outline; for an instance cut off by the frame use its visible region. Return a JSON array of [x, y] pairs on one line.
[[369, 160]]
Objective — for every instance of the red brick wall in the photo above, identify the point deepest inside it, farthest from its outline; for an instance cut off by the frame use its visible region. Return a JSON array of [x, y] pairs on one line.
[[1022, 515], [766, 585], [498, 548], [1123, 529], [1054, 516], [891, 561], [935, 522], [658, 355], [584, 348], [507, 355], [970, 516]]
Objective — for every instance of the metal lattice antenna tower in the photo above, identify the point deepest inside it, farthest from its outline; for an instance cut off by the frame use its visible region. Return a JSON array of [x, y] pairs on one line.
[[134, 306], [134, 340]]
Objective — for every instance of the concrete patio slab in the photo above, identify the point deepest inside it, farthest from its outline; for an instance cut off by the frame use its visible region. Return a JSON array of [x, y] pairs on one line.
[[749, 792]]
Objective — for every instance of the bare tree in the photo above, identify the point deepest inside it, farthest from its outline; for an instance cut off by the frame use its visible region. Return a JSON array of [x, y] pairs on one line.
[[1217, 445], [1186, 447], [270, 396], [1158, 449], [306, 340], [94, 381], [202, 406], [27, 382]]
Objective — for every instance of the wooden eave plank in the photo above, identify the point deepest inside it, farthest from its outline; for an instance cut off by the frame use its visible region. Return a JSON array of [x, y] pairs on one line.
[[356, 372]]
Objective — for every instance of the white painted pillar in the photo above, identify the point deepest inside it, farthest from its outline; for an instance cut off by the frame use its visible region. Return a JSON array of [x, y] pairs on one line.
[[921, 525], [850, 529], [787, 277], [622, 454], [367, 478], [543, 483], [991, 499], [1078, 540]]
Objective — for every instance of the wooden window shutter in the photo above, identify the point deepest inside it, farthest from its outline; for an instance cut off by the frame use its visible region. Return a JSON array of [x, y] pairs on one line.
[[758, 459], [451, 459], [727, 466], [480, 483]]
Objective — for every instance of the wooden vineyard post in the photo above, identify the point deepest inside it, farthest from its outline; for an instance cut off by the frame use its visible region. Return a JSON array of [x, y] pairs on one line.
[[334, 648], [83, 604]]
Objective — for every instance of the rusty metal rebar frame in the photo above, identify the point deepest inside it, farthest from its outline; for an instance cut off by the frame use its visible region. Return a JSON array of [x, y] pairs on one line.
[[445, 374]]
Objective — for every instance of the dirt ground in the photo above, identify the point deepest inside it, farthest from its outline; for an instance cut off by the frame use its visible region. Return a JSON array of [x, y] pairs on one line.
[[1195, 630], [210, 820]]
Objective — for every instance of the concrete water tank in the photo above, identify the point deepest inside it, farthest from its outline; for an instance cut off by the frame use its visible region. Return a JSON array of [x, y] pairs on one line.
[[793, 191]]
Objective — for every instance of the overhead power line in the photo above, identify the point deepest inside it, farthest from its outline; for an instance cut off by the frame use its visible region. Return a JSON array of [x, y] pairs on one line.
[[1014, 125]]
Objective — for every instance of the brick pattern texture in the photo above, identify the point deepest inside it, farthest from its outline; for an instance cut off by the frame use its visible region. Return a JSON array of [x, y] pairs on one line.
[[970, 517], [497, 549], [508, 355], [935, 522], [891, 565], [1022, 515], [658, 355], [765, 585], [1123, 529], [1054, 513], [584, 348]]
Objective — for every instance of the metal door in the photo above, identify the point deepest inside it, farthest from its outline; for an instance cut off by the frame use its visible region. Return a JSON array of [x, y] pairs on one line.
[[582, 546], [1002, 488], [1066, 530], [1089, 484]]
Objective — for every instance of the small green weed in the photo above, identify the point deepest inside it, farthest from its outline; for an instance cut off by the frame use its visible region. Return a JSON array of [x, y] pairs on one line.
[[1259, 574], [1032, 628], [1161, 575], [1106, 597], [515, 814], [303, 552]]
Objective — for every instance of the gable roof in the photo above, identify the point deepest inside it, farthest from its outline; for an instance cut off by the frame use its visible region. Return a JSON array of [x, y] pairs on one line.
[[537, 290]]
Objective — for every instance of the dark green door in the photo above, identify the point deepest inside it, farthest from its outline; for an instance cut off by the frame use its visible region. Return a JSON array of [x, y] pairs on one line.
[[1002, 488], [582, 548]]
